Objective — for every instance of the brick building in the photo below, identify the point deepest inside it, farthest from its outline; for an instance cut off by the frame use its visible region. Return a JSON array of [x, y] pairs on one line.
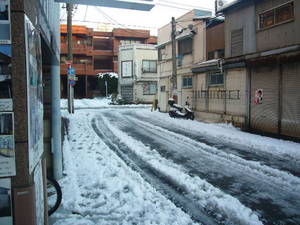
[[96, 52]]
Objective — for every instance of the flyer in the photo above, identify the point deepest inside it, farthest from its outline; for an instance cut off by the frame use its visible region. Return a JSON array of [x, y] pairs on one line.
[[5, 202]]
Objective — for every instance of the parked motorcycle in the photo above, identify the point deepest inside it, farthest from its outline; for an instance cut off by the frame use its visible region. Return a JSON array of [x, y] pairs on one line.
[[177, 111]]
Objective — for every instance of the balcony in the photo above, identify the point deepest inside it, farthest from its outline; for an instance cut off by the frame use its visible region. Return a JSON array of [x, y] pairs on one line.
[[77, 49], [84, 69]]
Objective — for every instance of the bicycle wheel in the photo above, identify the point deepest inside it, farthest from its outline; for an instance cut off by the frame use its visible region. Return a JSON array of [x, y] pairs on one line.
[[54, 195]]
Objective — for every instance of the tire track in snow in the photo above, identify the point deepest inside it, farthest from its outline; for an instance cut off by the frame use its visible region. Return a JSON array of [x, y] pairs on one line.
[[198, 197], [164, 185], [278, 202], [281, 162]]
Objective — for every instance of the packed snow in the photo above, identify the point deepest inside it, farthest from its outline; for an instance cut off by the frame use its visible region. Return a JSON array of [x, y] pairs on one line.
[[99, 187]]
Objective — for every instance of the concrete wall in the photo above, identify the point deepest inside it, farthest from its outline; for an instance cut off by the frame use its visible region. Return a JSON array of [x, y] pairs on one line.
[[241, 19], [286, 34]]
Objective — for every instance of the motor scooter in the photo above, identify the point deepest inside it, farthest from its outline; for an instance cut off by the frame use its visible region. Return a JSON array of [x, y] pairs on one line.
[[177, 111]]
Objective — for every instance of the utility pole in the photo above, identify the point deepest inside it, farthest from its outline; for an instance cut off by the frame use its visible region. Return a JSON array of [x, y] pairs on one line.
[[70, 57], [174, 61]]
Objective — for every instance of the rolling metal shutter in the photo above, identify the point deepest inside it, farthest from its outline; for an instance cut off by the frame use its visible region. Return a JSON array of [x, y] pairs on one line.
[[237, 42], [290, 124], [127, 93], [264, 116]]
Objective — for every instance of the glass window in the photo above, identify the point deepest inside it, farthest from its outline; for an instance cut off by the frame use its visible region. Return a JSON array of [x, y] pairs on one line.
[[187, 82], [149, 66], [126, 67], [149, 88], [216, 79], [185, 46], [276, 16]]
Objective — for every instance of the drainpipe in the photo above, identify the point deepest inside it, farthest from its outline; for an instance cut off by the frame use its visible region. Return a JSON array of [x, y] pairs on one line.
[[56, 119]]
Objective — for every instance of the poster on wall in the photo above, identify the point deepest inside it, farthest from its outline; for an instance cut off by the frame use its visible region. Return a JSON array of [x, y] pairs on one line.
[[7, 145], [258, 98], [5, 202], [39, 194], [34, 93], [6, 103], [5, 36]]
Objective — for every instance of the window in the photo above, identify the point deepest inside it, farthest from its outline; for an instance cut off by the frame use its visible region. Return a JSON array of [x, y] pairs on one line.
[[126, 68], [276, 16], [187, 82], [160, 52], [185, 46], [162, 88], [211, 55], [130, 41], [149, 88], [216, 79], [149, 66]]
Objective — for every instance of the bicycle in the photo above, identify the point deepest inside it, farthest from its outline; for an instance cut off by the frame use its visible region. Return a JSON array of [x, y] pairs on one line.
[[54, 194]]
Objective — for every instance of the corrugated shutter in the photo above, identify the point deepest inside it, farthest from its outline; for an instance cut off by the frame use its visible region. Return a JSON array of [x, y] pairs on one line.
[[264, 116], [127, 93], [237, 42], [290, 124]]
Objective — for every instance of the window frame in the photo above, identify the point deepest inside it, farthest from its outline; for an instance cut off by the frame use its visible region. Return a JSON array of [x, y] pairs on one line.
[[149, 83], [122, 67], [189, 85], [149, 71], [274, 10], [210, 84], [186, 52]]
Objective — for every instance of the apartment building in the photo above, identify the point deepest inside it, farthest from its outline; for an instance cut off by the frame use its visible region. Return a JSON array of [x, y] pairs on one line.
[[190, 45], [138, 73], [96, 52]]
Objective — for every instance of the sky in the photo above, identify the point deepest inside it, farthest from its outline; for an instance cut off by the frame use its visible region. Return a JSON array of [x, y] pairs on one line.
[[159, 16]]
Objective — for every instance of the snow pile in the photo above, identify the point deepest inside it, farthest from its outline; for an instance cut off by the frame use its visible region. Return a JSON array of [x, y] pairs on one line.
[[111, 75], [100, 189], [86, 103], [97, 103]]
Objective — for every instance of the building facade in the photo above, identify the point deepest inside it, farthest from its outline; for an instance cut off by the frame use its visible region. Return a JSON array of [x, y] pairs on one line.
[[190, 49], [265, 47], [95, 52], [138, 73]]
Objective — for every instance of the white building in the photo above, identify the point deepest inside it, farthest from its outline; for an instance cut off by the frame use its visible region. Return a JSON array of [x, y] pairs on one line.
[[138, 73]]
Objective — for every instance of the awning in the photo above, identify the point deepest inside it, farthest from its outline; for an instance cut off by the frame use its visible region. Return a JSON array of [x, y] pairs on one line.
[[142, 5]]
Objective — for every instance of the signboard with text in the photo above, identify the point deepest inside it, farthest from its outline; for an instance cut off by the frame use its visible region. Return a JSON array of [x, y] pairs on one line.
[[5, 34]]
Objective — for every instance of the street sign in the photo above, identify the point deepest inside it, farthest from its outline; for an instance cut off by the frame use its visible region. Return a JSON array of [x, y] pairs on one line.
[[71, 71], [72, 82]]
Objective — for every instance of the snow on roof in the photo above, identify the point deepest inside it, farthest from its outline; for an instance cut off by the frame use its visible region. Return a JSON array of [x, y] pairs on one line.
[[110, 74]]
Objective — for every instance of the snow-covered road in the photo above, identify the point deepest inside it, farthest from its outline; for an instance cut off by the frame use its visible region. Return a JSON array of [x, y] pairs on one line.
[[132, 166]]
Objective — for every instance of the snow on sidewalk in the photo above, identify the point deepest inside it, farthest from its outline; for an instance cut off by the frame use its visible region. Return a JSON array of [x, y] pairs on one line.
[[99, 188]]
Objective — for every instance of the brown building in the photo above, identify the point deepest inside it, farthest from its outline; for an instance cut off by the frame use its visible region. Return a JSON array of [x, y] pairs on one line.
[[96, 52]]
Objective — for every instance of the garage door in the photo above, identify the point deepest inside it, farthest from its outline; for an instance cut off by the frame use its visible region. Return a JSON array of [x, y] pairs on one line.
[[127, 93], [290, 124], [264, 115]]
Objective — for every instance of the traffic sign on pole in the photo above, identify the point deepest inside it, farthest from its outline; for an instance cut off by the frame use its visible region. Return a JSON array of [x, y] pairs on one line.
[[71, 71]]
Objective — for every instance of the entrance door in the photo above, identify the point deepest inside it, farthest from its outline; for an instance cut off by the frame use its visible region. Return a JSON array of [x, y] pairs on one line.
[[127, 93]]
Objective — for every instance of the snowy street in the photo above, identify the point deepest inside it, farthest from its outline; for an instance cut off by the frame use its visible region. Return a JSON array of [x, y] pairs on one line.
[[128, 165]]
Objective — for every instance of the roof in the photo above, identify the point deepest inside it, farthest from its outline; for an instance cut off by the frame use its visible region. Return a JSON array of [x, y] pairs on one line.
[[231, 4]]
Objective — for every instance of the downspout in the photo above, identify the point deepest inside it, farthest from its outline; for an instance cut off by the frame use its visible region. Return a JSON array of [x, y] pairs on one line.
[[56, 118]]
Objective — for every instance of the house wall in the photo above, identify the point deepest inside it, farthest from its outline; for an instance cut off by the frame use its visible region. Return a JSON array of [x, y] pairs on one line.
[[286, 34], [241, 19], [216, 109], [137, 53], [165, 65]]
